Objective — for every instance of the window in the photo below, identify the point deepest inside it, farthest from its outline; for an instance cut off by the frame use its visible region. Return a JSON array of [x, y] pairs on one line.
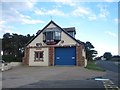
[[41, 55], [52, 35], [38, 55], [49, 35], [57, 35]]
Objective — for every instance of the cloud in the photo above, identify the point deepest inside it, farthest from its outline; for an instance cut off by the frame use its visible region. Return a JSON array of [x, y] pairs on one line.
[[116, 20], [5, 28], [53, 12], [66, 2], [92, 17], [80, 11], [27, 21], [1, 22], [111, 34], [19, 5], [104, 13], [30, 3], [84, 12], [14, 15]]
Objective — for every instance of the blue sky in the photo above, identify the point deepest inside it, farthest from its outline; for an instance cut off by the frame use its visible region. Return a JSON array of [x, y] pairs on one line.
[[96, 22]]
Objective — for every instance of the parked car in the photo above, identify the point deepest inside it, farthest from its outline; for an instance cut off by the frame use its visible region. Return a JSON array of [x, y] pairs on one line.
[[4, 66]]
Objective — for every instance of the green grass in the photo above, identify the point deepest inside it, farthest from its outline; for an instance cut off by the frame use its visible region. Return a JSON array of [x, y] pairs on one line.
[[91, 65]]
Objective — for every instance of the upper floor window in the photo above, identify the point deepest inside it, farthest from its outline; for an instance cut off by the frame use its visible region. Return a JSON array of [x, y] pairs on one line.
[[49, 35], [57, 35], [52, 35]]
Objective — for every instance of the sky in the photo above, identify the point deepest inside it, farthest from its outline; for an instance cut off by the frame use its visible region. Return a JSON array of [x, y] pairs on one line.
[[95, 21]]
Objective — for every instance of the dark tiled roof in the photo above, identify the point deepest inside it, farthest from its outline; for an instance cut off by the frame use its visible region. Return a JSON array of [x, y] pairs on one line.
[[70, 29]]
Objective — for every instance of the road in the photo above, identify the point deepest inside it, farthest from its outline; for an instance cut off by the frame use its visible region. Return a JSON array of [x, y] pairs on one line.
[[60, 77], [51, 77], [112, 71]]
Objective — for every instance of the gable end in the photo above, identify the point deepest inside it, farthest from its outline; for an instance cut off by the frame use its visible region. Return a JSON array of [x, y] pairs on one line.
[[58, 27]]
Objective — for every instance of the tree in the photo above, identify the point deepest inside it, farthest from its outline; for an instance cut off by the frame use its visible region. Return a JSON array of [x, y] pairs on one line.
[[107, 55], [90, 52], [13, 46]]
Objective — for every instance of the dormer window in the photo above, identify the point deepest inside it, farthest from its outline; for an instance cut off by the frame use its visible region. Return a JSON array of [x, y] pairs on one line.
[[51, 36], [57, 35]]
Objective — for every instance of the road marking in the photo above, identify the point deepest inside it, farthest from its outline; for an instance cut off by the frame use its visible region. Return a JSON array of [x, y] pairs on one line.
[[109, 85]]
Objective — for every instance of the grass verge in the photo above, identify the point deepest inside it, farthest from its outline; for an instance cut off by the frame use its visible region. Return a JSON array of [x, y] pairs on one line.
[[91, 65]]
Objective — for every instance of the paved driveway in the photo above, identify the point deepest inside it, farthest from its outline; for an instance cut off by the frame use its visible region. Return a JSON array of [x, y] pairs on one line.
[[24, 76]]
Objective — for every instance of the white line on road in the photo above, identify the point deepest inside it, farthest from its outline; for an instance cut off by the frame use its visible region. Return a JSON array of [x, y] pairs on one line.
[[109, 85]]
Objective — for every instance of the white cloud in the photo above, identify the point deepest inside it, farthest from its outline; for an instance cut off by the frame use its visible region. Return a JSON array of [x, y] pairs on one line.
[[81, 11], [104, 13], [30, 3], [84, 12], [1, 22], [111, 34], [5, 28], [93, 17], [116, 20], [66, 2], [6, 31], [27, 21], [19, 5], [15, 16], [53, 12]]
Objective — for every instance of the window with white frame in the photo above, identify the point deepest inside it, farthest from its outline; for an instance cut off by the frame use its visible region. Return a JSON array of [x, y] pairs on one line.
[[39, 56]]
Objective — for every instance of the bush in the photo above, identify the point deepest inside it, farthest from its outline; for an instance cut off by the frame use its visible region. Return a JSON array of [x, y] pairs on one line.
[[115, 59], [11, 58]]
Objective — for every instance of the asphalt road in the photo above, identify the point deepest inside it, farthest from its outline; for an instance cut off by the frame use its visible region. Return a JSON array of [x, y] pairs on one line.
[[65, 84], [51, 77], [112, 71]]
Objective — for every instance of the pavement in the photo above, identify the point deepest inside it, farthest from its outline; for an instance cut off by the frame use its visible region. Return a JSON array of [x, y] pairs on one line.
[[112, 71], [51, 77]]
